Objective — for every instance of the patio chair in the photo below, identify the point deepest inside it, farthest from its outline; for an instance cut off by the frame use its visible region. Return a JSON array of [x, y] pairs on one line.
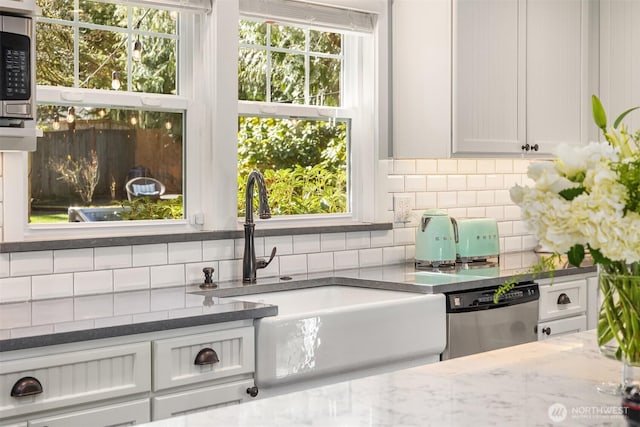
[[144, 186]]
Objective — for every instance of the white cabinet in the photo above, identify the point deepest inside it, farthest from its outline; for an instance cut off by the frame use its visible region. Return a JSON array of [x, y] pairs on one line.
[[21, 7], [567, 305], [523, 74], [128, 380], [421, 78], [619, 65]]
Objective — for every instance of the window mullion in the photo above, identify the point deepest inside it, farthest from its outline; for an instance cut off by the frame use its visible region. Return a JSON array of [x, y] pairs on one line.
[[268, 70], [307, 75], [76, 43]]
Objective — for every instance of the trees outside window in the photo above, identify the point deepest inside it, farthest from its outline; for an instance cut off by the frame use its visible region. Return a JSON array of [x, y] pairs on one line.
[[304, 158]]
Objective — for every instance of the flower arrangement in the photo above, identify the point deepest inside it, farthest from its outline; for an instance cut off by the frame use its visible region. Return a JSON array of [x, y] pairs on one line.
[[587, 200]]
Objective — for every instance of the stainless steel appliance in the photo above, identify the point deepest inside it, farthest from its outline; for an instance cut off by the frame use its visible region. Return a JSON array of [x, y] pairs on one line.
[[17, 73], [476, 324]]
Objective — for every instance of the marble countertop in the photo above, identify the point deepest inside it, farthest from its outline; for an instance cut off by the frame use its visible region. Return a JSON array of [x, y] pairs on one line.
[[63, 320], [550, 382]]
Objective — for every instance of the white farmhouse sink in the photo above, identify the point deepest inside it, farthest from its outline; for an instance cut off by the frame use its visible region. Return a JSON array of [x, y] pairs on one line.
[[331, 330]]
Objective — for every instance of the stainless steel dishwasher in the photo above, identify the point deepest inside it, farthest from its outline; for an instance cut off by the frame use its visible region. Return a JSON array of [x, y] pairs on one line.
[[476, 324]]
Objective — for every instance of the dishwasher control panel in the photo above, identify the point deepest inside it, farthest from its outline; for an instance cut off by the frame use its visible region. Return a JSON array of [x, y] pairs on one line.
[[482, 299]]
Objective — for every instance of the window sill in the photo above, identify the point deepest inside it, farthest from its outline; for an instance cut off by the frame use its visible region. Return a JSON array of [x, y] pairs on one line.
[[263, 229]]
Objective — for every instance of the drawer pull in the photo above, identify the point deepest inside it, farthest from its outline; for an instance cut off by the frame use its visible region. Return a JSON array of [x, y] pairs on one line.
[[547, 330], [252, 391], [206, 356], [26, 386], [563, 299]]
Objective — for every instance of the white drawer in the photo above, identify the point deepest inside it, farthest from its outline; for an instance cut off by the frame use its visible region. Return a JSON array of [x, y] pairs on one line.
[[563, 299], [554, 328], [200, 399], [174, 358], [76, 377], [122, 414]]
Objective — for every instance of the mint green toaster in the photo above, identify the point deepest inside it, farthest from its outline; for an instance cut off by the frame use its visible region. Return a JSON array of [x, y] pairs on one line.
[[477, 239]]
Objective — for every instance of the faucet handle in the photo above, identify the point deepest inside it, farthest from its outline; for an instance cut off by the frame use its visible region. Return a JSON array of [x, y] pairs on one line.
[[261, 263]]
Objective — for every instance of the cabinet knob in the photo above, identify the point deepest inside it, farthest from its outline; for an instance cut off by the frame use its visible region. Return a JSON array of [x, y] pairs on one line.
[[206, 356], [547, 330], [252, 391], [26, 386], [527, 147], [563, 299]]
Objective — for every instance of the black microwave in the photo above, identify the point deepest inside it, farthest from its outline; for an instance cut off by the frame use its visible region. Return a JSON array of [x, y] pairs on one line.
[[17, 74]]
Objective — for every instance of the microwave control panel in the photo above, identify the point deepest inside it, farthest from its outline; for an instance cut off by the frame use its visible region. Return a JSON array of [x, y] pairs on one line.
[[17, 76]]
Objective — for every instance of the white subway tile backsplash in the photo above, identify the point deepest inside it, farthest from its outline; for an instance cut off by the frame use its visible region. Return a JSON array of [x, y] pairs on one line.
[[410, 252], [510, 180], [503, 197], [4, 265], [456, 182], [322, 261], [520, 228], [381, 238], [496, 212], [184, 252], [486, 166], [521, 165], [15, 315], [529, 242], [467, 166], [93, 306], [52, 286], [513, 244], [214, 250], [476, 182], [52, 311], [486, 197], [505, 228], [494, 181], [477, 212], [293, 264], [258, 243], [70, 260], [395, 183], [93, 282], [30, 263], [107, 322], [467, 198], [413, 183], [447, 199], [504, 165], [426, 166], [167, 299], [15, 289], [436, 182], [447, 166], [426, 200], [31, 331], [112, 257], [358, 240], [77, 325], [283, 243], [393, 255], [128, 279], [163, 276], [229, 270], [306, 243], [330, 242], [131, 303], [345, 259], [457, 212], [370, 257], [404, 236], [512, 212], [144, 255], [404, 167]]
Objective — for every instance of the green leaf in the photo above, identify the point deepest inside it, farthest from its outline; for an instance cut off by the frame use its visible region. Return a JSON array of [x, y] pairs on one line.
[[622, 116], [576, 255], [599, 116], [598, 258], [571, 193]]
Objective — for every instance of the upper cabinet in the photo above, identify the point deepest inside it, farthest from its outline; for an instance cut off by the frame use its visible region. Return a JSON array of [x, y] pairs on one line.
[[421, 78], [620, 64], [523, 74]]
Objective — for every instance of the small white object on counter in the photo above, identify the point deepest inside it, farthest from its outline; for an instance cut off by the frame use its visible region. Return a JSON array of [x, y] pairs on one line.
[[542, 383]]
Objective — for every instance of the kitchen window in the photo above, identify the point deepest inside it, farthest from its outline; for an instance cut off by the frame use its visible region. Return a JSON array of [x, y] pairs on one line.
[[299, 109]]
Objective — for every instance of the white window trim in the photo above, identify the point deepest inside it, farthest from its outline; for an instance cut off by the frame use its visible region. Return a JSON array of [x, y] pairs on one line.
[[209, 83]]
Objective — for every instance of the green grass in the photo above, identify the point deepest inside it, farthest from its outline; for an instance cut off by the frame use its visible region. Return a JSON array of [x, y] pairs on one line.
[[49, 218]]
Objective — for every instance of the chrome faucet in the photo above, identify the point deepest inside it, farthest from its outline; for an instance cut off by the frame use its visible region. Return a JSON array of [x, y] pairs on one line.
[[249, 262]]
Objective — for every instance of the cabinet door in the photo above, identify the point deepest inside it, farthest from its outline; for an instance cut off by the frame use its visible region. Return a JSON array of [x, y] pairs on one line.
[[561, 72], [488, 111], [122, 414], [554, 328], [619, 61], [563, 299], [421, 61]]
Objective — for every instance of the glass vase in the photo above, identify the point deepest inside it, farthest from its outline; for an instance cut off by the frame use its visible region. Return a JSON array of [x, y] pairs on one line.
[[619, 322]]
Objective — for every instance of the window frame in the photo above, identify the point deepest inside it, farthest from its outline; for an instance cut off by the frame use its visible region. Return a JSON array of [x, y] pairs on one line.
[[208, 46]]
